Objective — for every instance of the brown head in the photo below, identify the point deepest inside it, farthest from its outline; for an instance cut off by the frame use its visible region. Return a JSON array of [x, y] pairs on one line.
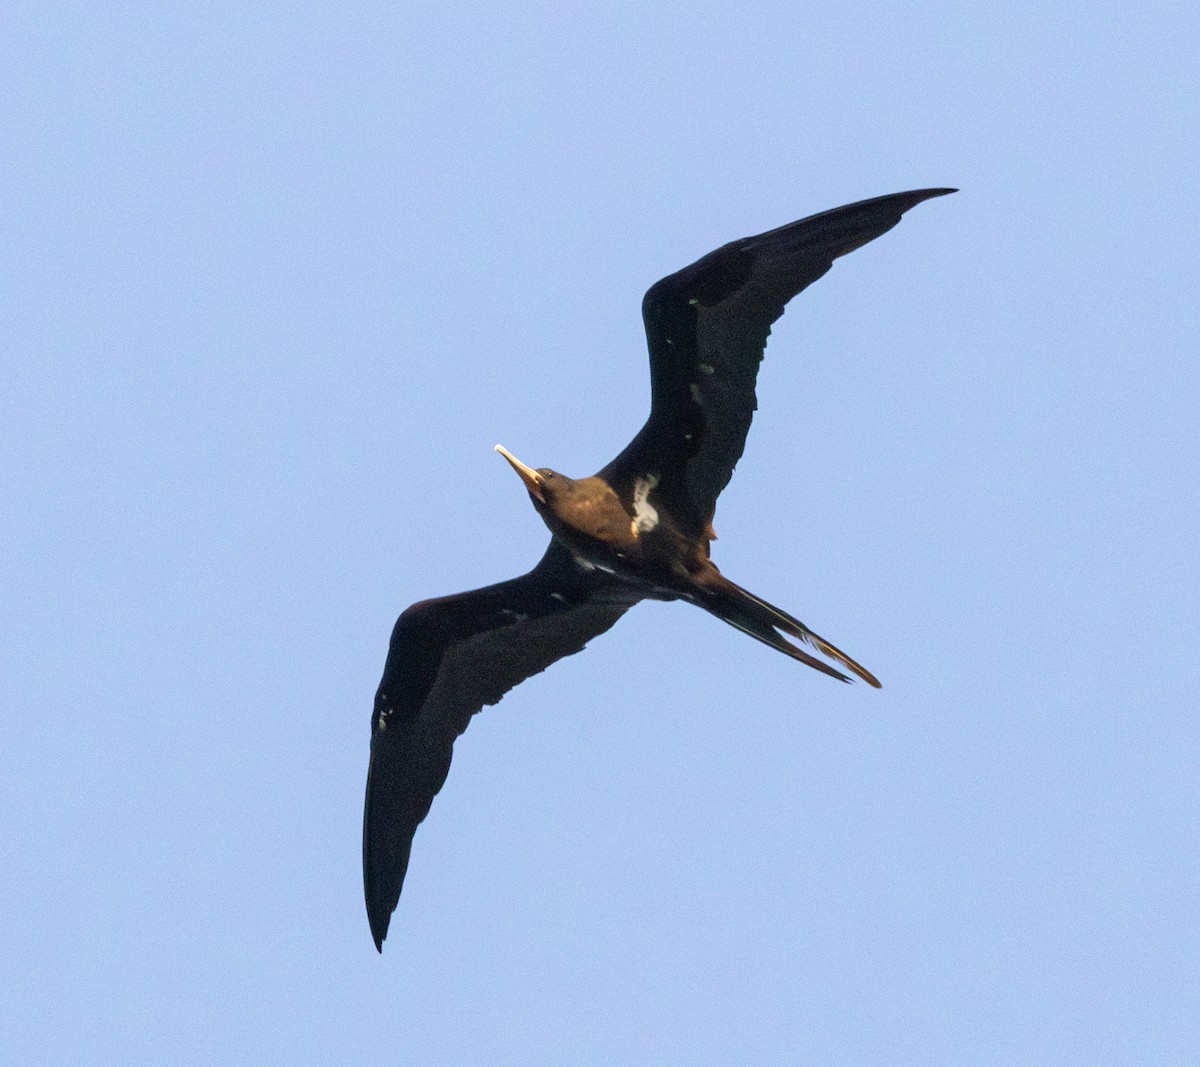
[[545, 486], [580, 505]]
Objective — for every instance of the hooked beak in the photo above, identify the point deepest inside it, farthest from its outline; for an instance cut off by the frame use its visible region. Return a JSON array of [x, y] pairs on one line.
[[531, 478]]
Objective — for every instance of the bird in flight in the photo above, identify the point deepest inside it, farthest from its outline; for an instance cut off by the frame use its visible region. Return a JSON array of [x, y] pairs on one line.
[[639, 529]]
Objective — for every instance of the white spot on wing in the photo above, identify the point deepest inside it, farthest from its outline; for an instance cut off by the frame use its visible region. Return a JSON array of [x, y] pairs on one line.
[[645, 517], [706, 368], [696, 393], [559, 597]]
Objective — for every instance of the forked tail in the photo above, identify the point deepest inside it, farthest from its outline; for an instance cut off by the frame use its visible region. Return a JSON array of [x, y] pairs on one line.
[[763, 621]]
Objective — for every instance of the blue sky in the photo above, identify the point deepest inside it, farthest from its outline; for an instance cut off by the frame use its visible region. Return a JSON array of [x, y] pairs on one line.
[[275, 279]]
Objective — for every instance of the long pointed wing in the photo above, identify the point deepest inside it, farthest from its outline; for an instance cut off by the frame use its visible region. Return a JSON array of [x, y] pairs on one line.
[[448, 658], [707, 327]]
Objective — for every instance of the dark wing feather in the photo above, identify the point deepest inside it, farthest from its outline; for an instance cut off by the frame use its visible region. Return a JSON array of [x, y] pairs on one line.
[[448, 658], [707, 327]]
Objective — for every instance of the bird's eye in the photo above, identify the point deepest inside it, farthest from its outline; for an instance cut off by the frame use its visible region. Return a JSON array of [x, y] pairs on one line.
[[547, 475]]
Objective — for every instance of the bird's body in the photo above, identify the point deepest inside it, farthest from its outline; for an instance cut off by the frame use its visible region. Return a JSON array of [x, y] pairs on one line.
[[639, 529], [628, 538]]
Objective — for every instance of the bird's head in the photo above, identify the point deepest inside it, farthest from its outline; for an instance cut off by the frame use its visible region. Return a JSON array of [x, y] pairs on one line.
[[545, 486]]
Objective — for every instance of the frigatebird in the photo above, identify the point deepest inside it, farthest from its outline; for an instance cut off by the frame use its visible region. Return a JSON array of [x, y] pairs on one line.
[[639, 529]]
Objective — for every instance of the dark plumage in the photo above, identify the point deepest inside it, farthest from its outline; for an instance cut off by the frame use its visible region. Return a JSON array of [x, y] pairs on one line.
[[639, 529]]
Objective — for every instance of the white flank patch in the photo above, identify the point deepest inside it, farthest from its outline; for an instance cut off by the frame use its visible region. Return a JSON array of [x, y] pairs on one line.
[[645, 518]]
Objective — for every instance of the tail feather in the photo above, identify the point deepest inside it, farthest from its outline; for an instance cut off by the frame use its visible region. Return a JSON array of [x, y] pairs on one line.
[[754, 616]]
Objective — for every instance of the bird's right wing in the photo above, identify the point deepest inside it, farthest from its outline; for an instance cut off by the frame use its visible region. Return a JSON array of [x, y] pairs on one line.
[[448, 658]]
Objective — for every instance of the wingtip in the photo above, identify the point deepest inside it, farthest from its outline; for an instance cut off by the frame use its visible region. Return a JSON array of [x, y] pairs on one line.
[[379, 927], [379, 935], [918, 196]]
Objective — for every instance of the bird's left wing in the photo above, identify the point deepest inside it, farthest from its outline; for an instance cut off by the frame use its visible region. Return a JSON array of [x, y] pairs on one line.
[[448, 658], [707, 327]]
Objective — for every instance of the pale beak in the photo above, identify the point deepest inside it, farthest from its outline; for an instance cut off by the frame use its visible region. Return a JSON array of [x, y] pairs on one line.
[[531, 478]]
